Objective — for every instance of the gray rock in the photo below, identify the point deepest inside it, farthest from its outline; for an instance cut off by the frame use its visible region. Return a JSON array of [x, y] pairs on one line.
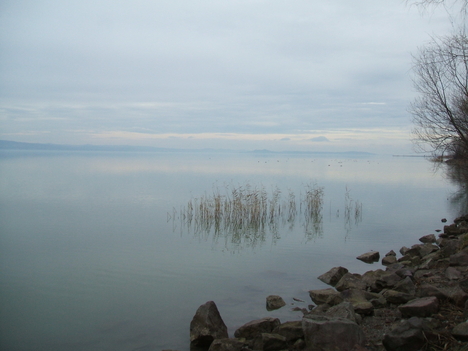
[[256, 327], [453, 274], [227, 345], [403, 250], [427, 248], [455, 294], [369, 257], [343, 310], [325, 334], [452, 229], [464, 285], [430, 290], [333, 276], [351, 281], [274, 302], [359, 300], [388, 260], [390, 253], [422, 307], [431, 238], [406, 336], [207, 325], [321, 296], [387, 280], [292, 331], [460, 331], [370, 278]]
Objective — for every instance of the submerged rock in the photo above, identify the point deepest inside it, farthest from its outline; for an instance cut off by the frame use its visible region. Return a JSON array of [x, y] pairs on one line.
[[274, 302]]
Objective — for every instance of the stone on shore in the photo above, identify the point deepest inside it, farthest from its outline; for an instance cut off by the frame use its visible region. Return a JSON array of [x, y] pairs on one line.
[[388, 260], [207, 325], [333, 276], [428, 238], [227, 345], [274, 302], [256, 327], [422, 307], [369, 257], [270, 342], [459, 259], [292, 331], [408, 335], [323, 333], [351, 281], [322, 296]]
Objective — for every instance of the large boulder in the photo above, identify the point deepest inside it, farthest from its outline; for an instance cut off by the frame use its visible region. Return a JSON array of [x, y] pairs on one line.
[[333, 276], [207, 325], [255, 328], [292, 331], [323, 333], [360, 300]]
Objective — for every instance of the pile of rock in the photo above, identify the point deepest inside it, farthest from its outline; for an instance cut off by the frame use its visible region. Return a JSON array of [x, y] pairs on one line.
[[418, 300]]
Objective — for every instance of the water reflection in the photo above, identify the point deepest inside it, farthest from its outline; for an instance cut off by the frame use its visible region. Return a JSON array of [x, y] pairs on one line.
[[247, 216], [457, 173]]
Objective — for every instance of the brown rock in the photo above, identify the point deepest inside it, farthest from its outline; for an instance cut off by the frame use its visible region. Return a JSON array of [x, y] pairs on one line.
[[274, 302], [207, 325], [321, 296], [431, 238], [351, 281], [369, 257], [333, 276]]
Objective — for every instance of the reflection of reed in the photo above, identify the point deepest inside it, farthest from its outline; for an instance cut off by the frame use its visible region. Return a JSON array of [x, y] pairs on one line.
[[457, 172], [244, 216]]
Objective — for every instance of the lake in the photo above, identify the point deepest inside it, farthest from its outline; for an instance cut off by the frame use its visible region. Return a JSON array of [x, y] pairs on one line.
[[98, 252]]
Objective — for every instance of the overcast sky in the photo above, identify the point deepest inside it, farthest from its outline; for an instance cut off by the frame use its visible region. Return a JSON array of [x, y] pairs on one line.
[[240, 74]]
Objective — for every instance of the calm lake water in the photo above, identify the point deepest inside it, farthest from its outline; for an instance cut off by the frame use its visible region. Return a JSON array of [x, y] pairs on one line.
[[95, 253]]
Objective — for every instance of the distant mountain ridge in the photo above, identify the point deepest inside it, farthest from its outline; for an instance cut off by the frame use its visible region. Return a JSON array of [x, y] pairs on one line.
[[16, 145]]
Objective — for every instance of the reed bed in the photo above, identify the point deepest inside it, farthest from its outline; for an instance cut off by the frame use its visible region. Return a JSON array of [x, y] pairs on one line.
[[244, 214]]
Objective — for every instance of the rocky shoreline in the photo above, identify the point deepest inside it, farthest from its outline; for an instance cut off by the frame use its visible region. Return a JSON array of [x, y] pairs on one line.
[[419, 302]]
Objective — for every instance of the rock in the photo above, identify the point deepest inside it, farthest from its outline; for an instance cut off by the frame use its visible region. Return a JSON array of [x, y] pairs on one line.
[[324, 334], [360, 301], [460, 331], [390, 253], [397, 297], [274, 302], [422, 307], [408, 335], [449, 247], [406, 286], [403, 250], [453, 274], [370, 278], [427, 248], [388, 260], [369, 257], [430, 290], [387, 280], [343, 310], [459, 259], [351, 281], [321, 296], [256, 327], [443, 220], [270, 342], [464, 285], [207, 325], [431, 238], [227, 345], [333, 276], [292, 331], [455, 294]]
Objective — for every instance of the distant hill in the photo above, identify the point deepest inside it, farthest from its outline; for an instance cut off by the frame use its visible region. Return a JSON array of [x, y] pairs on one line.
[[15, 145]]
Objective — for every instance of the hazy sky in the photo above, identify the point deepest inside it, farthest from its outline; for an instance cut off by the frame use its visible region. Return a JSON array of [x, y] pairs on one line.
[[281, 75]]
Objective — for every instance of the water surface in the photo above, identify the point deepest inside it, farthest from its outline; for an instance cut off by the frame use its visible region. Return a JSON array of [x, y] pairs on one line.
[[94, 253]]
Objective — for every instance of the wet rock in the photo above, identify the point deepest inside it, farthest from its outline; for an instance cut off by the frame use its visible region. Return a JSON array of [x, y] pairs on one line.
[[274, 302], [323, 333], [460, 332], [369, 257], [431, 238], [333, 276], [256, 327], [207, 325], [359, 300], [387, 280], [370, 279], [321, 296], [422, 307], [351, 281]]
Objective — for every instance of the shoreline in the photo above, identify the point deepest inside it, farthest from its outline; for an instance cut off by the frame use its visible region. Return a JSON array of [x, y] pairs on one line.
[[420, 301]]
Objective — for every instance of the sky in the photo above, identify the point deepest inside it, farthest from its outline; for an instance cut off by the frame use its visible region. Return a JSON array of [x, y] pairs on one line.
[[301, 75]]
